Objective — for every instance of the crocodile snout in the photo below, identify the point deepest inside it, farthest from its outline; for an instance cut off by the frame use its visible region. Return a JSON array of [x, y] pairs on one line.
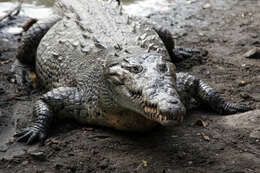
[[163, 104], [171, 109]]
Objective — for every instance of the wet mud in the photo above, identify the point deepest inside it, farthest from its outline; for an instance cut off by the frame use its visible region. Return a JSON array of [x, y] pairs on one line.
[[204, 143]]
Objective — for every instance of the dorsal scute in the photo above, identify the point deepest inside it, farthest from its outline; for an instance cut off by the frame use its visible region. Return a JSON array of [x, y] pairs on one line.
[[103, 23]]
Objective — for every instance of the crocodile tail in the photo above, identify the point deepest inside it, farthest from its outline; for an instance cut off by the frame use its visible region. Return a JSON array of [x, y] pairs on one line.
[[31, 38]]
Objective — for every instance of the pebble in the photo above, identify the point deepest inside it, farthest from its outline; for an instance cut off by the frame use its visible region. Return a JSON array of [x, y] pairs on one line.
[[253, 53], [242, 83], [38, 155], [207, 5], [255, 134], [3, 148], [25, 162], [244, 96]]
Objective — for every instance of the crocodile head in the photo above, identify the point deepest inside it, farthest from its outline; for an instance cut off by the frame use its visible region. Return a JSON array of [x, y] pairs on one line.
[[146, 85]]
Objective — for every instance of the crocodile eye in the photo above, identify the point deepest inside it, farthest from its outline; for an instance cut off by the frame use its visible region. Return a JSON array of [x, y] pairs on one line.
[[134, 69]]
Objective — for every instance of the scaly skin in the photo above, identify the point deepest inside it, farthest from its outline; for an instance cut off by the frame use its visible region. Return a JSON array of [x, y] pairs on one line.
[[188, 86], [116, 72], [27, 49]]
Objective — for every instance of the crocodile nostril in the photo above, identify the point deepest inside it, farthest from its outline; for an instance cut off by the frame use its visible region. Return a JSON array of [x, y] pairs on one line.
[[174, 101]]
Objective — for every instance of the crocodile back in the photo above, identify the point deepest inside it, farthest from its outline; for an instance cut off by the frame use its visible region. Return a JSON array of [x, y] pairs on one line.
[[87, 29]]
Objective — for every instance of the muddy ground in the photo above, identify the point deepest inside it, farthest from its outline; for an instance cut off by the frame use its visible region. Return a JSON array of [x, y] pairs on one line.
[[225, 144]]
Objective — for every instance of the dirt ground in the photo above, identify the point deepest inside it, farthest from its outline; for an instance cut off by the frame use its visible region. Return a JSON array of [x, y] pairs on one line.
[[229, 144]]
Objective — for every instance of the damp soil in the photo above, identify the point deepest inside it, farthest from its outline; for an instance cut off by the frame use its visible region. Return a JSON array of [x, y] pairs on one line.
[[205, 142]]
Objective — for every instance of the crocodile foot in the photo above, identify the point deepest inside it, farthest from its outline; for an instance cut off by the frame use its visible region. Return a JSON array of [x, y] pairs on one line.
[[31, 135], [182, 53], [231, 108]]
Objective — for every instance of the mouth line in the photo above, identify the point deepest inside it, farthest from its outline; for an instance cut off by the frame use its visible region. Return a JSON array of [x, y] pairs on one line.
[[155, 114], [151, 110]]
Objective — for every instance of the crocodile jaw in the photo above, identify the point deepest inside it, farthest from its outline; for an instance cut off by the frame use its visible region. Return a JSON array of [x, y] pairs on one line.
[[146, 85], [162, 112]]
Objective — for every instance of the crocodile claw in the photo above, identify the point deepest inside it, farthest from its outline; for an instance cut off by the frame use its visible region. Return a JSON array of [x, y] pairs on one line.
[[235, 108], [31, 135], [182, 53]]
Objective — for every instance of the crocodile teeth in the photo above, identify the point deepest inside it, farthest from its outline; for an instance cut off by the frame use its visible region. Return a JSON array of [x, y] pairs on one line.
[[154, 110], [154, 113], [160, 117], [149, 110], [146, 109]]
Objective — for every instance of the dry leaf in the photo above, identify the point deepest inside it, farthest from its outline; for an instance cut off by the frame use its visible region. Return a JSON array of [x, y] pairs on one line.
[[145, 163], [33, 77], [201, 123], [205, 137], [55, 141], [88, 129]]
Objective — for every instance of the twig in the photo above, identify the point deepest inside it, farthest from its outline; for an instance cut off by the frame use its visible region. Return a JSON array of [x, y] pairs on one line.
[[29, 23], [13, 12]]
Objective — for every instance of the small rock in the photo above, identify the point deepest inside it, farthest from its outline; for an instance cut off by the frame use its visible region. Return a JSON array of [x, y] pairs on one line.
[[3, 148], [254, 53], [38, 155], [242, 83], [12, 80], [11, 140], [246, 66], [253, 35], [244, 95], [58, 166], [255, 134], [25, 162], [207, 5], [104, 164], [202, 34]]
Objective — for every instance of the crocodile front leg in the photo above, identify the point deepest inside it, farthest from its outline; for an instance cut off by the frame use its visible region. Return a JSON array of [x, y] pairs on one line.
[[190, 86], [38, 130], [46, 108], [177, 53]]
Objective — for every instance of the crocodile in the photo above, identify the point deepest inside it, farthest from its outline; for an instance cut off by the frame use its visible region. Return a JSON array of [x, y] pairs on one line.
[[102, 67]]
